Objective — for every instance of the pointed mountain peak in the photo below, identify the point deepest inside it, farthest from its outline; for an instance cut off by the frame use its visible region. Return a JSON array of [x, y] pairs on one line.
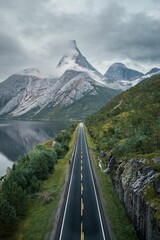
[[72, 44], [74, 60]]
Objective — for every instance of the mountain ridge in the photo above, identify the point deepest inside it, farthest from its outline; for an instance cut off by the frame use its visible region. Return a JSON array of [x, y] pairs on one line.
[[119, 71], [27, 94]]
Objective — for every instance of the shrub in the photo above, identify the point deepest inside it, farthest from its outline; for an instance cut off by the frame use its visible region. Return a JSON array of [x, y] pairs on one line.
[[8, 218]]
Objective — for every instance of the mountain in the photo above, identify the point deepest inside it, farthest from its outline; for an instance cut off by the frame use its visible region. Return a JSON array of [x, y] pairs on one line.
[[79, 97], [119, 71], [74, 60], [31, 72], [153, 71], [119, 76], [77, 92]]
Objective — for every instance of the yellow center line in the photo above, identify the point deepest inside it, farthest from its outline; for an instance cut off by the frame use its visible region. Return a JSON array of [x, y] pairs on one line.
[[81, 176], [82, 207], [81, 187], [82, 233]]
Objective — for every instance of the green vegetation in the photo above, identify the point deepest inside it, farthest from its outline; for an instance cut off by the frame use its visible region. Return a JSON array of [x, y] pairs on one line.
[[128, 127], [114, 209], [130, 123], [30, 191], [152, 198]]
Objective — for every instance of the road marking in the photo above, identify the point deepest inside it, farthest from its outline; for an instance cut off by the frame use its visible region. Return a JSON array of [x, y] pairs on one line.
[[82, 207], [81, 187], [82, 233], [81, 176], [76, 147], [81, 168], [88, 158]]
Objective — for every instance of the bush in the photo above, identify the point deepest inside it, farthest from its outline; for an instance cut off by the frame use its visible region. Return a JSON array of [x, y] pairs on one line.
[[38, 164], [15, 195], [8, 218], [24, 180]]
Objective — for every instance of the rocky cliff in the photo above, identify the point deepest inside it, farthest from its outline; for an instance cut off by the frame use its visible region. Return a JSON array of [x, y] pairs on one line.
[[137, 182]]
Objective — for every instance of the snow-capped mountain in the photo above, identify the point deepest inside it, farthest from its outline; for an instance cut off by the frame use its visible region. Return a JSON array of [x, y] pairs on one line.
[[119, 71], [29, 95], [31, 72], [120, 76], [77, 91], [153, 71], [74, 60]]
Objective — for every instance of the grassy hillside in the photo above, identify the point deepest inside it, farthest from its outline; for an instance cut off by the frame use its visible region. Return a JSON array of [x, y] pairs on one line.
[[130, 124]]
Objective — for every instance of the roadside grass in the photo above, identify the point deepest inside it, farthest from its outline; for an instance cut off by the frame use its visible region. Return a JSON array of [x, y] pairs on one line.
[[115, 213], [40, 215]]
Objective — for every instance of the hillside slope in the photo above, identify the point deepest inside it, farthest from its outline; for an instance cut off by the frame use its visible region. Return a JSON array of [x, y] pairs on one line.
[[127, 135], [130, 123]]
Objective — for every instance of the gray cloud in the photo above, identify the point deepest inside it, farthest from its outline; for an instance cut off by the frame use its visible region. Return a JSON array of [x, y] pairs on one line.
[[12, 54], [33, 33], [118, 36], [137, 38]]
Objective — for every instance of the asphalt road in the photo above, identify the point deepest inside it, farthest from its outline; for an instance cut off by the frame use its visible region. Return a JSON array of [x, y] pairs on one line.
[[82, 216]]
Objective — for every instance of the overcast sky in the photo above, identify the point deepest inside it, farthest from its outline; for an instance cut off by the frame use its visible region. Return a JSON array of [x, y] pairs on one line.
[[33, 33]]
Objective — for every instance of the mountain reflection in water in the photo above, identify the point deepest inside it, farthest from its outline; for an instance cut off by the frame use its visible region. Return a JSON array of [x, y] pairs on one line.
[[18, 137]]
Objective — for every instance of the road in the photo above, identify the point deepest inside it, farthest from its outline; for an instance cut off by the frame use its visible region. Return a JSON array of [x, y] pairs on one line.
[[82, 218]]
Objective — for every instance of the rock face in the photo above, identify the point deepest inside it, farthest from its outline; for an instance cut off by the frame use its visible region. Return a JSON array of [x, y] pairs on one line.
[[153, 71], [156, 185], [33, 97], [75, 61], [138, 188], [120, 76], [119, 71]]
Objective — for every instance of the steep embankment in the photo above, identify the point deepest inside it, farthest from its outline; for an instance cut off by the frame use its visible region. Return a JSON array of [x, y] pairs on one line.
[[127, 134]]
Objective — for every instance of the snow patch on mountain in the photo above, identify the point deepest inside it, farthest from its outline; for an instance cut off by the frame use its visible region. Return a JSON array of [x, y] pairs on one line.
[[31, 72], [74, 60]]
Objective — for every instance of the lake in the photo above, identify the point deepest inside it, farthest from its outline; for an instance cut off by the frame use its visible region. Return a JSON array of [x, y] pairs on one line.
[[19, 137]]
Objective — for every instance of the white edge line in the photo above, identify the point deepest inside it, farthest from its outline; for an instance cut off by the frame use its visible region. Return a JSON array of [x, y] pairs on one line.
[[69, 190], [94, 187]]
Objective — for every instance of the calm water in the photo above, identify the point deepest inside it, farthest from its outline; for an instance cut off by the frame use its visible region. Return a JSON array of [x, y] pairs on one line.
[[18, 137]]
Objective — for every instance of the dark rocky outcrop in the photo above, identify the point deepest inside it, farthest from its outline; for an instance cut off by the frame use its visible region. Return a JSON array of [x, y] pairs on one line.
[[156, 184]]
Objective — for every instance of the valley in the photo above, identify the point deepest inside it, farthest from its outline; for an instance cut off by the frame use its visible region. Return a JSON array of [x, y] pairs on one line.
[[121, 111]]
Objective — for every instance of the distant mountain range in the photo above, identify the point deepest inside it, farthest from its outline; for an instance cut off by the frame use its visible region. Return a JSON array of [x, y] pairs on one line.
[[77, 90]]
